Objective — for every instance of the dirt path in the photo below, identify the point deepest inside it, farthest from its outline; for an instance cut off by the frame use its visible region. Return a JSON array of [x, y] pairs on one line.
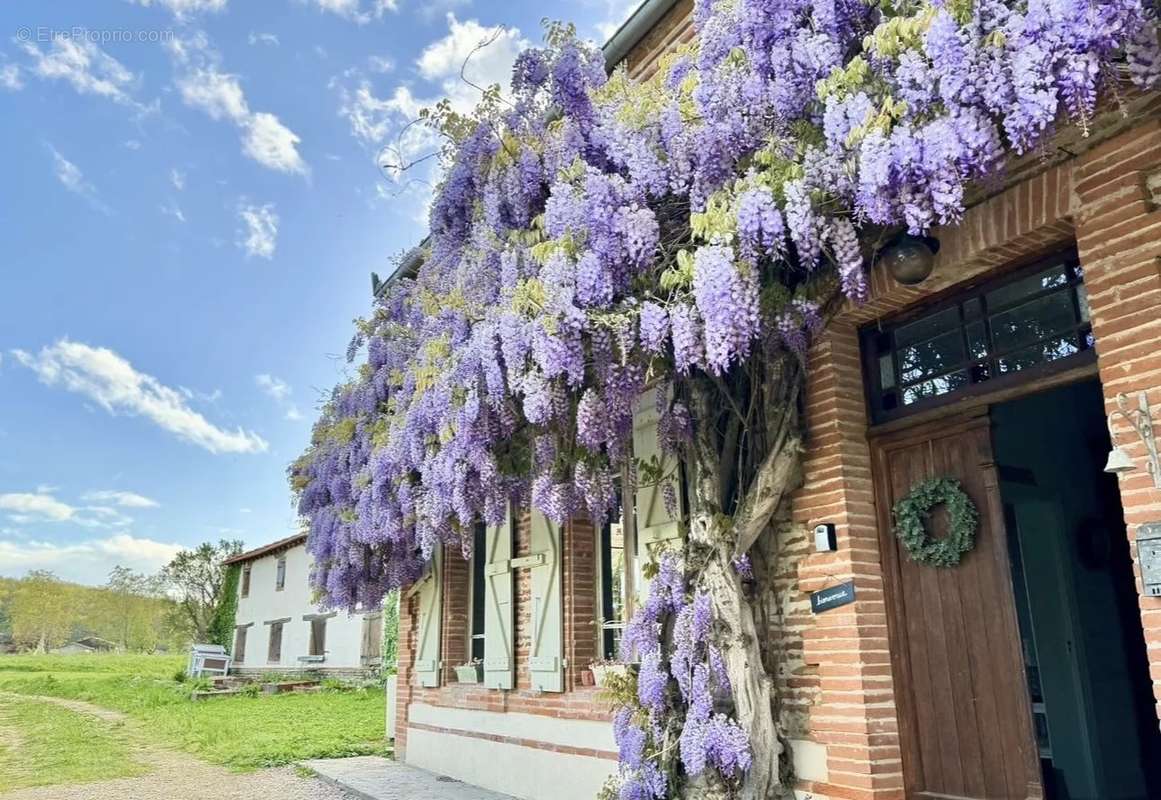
[[175, 775]]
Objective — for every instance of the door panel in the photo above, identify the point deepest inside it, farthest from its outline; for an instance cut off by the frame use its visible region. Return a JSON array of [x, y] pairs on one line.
[[965, 721]]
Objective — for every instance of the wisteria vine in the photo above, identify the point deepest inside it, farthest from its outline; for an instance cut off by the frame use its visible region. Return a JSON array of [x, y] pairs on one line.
[[593, 236]]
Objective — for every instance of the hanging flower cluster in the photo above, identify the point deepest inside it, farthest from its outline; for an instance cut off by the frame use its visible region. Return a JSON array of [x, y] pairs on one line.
[[591, 234], [673, 718]]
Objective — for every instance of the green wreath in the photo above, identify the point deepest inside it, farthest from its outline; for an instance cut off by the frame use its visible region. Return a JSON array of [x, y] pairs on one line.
[[913, 512]]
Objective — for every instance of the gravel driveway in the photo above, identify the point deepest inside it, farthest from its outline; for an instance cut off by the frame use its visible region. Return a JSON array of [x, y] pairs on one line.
[[180, 776]]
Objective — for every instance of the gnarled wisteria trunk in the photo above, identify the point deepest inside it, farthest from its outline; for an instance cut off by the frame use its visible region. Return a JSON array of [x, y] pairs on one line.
[[719, 543]]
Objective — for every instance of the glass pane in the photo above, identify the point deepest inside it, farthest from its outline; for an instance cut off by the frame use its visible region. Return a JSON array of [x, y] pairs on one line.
[[933, 357], [1039, 353], [886, 372], [1012, 292], [927, 327], [1033, 320], [617, 560], [977, 338], [972, 308], [934, 387]]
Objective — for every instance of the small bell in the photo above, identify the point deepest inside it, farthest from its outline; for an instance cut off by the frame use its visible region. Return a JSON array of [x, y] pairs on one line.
[[1119, 462]]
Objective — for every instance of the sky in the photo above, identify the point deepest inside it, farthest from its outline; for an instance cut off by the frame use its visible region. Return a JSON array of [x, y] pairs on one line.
[[193, 200]]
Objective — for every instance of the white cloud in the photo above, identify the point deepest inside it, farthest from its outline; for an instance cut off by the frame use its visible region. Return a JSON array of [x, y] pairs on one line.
[[183, 9], [616, 12], [353, 9], [84, 65], [172, 209], [10, 78], [71, 177], [275, 387], [484, 54], [293, 414], [112, 382], [132, 144], [260, 234], [245, 510], [41, 506], [177, 178], [220, 95], [264, 38], [380, 64], [88, 561], [119, 498]]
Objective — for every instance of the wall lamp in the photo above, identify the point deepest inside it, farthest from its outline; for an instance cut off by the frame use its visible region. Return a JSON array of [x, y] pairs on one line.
[[1141, 420], [908, 258]]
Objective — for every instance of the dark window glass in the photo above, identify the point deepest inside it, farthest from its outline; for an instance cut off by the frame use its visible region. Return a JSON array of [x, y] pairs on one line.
[[318, 636], [1038, 317], [239, 653], [280, 575], [479, 585], [246, 580], [274, 652]]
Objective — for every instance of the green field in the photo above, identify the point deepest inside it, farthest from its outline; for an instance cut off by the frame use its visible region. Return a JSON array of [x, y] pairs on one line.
[[240, 732]]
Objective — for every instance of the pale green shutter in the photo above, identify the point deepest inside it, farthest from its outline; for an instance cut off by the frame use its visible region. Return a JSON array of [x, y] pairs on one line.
[[546, 660], [654, 522], [430, 593], [499, 658]]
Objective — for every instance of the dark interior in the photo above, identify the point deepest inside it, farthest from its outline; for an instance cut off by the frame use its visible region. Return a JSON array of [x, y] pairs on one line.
[[1088, 675]]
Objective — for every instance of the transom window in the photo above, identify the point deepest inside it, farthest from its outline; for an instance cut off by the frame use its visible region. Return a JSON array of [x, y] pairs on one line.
[[1034, 320]]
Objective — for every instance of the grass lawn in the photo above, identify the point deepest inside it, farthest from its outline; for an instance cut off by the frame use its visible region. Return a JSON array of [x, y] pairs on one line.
[[239, 732], [43, 744]]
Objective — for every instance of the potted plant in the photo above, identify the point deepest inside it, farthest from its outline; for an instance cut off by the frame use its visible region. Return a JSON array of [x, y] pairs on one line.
[[471, 672]]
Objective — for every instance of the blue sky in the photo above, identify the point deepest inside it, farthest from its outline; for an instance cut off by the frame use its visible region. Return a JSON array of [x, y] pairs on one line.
[[191, 209]]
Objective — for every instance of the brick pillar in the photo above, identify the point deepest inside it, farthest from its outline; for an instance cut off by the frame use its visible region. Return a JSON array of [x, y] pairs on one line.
[[1119, 239], [404, 678], [457, 603], [855, 711], [580, 598]]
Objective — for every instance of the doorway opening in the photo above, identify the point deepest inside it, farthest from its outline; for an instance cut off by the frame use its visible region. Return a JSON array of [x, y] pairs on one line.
[[1093, 708]]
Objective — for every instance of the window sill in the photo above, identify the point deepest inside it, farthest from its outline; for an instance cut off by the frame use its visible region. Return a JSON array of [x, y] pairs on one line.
[[312, 659]]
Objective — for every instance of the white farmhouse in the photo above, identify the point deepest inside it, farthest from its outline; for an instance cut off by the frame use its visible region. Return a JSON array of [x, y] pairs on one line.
[[278, 628]]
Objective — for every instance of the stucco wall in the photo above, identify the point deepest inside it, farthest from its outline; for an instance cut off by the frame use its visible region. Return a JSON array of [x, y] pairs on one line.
[[344, 634]]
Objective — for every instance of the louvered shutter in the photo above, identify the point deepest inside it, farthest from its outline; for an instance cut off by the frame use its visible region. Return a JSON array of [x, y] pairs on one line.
[[654, 522], [372, 649], [546, 661], [430, 594], [499, 644]]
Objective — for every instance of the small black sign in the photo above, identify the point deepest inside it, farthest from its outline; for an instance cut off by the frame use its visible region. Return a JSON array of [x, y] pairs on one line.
[[832, 597]]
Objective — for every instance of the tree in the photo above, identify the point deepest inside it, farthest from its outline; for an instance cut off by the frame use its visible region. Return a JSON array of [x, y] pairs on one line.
[[197, 577], [596, 241], [133, 612], [42, 610]]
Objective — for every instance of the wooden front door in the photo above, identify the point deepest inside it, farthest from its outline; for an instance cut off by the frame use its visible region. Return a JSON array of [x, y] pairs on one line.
[[964, 716]]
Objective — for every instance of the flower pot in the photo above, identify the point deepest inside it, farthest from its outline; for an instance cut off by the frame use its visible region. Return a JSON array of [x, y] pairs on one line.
[[470, 673], [603, 672], [586, 678]]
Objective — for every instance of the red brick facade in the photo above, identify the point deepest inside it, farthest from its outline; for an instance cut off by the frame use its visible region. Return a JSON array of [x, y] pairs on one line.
[[836, 676]]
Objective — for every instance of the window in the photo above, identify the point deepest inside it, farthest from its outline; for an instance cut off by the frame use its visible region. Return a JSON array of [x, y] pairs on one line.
[[280, 575], [245, 580], [318, 636], [274, 650], [620, 576], [239, 654], [479, 587], [1033, 321]]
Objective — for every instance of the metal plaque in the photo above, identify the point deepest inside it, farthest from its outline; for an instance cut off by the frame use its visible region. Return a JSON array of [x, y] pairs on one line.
[[1149, 557]]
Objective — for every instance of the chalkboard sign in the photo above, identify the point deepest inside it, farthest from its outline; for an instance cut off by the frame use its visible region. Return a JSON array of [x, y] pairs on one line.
[[832, 597]]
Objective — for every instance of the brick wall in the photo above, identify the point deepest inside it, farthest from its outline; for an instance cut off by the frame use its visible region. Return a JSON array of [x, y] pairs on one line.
[[1103, 200], [579, 574]]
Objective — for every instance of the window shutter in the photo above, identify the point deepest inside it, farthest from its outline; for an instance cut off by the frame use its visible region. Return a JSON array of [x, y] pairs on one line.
[[499, 658], [372, 650], [546, 661], [430, 593], [654, 522], [240, 645]]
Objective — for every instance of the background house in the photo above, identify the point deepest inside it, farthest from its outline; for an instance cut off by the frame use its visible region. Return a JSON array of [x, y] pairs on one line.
[[279, 628]]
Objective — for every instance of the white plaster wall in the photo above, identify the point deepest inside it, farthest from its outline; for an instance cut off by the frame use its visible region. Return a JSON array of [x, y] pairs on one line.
[[523, 772], [344, 632], [585, 733]]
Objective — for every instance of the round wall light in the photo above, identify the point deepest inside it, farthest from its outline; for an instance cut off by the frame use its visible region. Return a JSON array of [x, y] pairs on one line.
[[908, 258]]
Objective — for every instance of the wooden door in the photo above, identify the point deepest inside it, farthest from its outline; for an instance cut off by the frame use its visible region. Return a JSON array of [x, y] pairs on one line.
[[960, 688]]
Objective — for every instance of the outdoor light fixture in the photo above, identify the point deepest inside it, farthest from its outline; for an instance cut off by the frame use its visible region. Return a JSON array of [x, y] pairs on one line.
[[908, 258], [1142, 422]]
